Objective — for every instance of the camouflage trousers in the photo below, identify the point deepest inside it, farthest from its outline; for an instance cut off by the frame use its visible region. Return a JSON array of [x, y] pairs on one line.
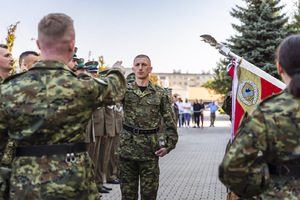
[[51, 177], [131, 171], [4, 183], [9, 154]]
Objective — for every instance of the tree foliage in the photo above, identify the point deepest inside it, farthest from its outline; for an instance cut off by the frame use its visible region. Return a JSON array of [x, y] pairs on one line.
[[101, 61], [154, 78], [11, 35], [296, 18], [262, 27], [221, 83]]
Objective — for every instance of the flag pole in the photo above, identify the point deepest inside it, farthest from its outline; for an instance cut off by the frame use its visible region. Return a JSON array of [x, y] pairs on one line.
[[225, 51]]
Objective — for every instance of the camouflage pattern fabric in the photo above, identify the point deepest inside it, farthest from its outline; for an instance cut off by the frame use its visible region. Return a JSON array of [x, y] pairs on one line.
[[269, 135], [149, 177], [50, 177], [7, 156], [227, 104], [144, 110], [49, 104]]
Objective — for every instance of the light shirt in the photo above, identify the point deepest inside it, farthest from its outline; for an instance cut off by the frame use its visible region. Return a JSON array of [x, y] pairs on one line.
[[213, 107], [180, 107], [186, 107]]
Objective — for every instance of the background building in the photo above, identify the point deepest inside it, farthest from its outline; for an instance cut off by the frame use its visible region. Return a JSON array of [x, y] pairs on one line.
[[181, 82], [186, 85]]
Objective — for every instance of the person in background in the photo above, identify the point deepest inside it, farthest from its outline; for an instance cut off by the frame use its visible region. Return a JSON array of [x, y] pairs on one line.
[[7, 150], [202, 107], [72, 64], [197, 111], [213, 108], [186, 111], [263, 160], [27, 59], [6, 62], [180, 111]]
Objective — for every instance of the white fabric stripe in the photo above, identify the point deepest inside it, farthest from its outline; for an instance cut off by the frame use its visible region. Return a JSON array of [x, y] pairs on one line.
[[255, 70], [235, 84]]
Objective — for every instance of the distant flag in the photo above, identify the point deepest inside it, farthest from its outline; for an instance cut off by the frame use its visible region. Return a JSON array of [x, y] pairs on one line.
[[249, 85]]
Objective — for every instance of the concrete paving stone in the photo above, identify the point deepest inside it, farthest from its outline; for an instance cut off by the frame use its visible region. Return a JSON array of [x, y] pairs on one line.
[[190, 171]]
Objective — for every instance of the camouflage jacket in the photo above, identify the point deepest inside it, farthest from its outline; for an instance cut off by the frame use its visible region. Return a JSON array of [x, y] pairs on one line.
[[270, 135], [50, 104], [144, 110]]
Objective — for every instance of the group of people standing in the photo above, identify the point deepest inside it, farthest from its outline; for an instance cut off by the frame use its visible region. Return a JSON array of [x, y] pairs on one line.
[[185, 111]]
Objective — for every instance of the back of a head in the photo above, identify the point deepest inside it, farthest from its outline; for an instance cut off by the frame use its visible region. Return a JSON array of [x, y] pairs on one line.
[[55, 29], [289, 59]]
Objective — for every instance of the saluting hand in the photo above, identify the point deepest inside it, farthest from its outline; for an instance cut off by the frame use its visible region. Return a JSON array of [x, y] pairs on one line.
[[118, 65], [161, 152]]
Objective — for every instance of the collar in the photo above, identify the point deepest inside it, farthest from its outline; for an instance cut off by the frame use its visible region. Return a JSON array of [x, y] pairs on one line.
[[50, 64], [135, 88]]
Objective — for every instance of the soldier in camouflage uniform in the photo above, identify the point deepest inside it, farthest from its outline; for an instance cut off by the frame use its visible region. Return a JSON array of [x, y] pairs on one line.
[[45, 112], [139, 148], [264, 157], [6, 153]]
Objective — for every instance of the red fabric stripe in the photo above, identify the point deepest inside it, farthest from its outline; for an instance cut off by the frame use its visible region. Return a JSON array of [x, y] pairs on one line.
[[267, 88], [231, 71], [239, 112]]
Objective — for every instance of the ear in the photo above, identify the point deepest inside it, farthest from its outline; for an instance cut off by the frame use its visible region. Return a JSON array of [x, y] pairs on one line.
[[151, 69], [38, 44], [72, 45], [23, 63], [279, 68]]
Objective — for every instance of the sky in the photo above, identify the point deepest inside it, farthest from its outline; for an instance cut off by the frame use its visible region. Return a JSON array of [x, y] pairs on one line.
[[166, 30]]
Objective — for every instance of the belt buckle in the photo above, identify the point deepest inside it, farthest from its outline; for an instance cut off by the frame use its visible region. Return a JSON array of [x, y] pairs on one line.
[[70, 157], [135, 131]]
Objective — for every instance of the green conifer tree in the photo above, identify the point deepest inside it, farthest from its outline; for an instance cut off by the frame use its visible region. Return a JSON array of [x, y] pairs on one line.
[[261, 31], [296, 19], [262, 28]]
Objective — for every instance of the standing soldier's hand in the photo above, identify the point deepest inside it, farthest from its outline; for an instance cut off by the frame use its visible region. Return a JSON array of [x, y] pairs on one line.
[[161, 152]]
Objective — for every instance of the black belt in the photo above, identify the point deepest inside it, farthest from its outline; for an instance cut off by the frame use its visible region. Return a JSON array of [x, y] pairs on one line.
[[138, 131], [46, 150], [284, 170]]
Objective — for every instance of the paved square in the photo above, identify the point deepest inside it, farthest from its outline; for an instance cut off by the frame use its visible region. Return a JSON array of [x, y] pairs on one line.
[[190, 171]]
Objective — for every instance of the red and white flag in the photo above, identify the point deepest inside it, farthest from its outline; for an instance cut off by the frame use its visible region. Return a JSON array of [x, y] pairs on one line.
[[249, 85]]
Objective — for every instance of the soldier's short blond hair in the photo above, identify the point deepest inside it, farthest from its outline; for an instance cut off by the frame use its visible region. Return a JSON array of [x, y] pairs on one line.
[[55, 26], [143, 56]]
